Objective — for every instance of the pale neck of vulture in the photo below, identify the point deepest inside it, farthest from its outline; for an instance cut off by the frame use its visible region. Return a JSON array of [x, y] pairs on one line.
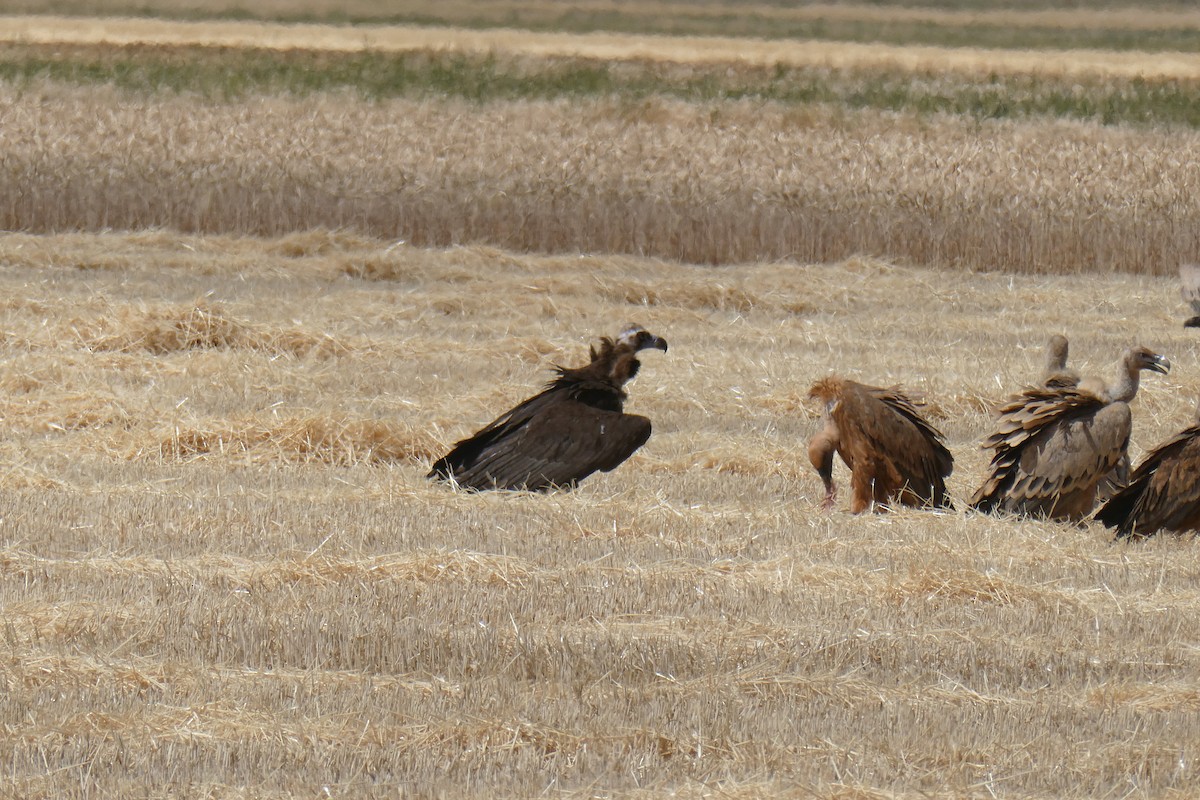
[[1056, 356], [1125, 389], [1129, 375]]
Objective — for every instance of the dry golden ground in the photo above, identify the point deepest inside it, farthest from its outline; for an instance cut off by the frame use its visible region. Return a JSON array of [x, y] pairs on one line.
[[729, 182], [604, 46], [223, 573]]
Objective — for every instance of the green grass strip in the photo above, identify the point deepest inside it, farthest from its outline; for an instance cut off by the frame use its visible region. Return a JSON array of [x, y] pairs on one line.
[[234, 73], [738, 20]]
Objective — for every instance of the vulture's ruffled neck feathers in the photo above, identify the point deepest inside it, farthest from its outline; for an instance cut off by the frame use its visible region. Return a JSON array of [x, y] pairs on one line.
[[600, 382]]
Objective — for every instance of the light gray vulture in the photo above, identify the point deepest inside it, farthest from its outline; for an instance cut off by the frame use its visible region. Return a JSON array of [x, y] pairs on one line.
[[1053, 447]]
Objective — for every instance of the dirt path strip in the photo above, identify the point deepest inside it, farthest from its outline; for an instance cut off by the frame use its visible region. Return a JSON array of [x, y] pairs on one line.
[[616, 47]]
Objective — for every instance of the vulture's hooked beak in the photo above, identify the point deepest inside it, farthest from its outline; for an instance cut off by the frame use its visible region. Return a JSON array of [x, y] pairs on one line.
[[657, 342], [1159, 364]]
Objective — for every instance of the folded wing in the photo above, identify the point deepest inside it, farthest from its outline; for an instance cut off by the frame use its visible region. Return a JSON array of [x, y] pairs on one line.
[[560, 446]]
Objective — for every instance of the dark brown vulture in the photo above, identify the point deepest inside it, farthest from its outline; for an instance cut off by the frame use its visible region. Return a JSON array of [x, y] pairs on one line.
[[1164, 492], [557, 438], [892, 452], [1056, 375], [1053, 447], [1189, 287]]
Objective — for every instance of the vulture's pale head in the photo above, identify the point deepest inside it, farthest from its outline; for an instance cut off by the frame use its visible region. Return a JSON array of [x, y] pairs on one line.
[[1145, 358], [1057, 352], [622, 353], [638, 338]]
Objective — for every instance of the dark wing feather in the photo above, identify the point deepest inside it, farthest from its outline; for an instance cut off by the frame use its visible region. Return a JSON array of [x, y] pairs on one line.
[[1163, 493], [467, 452], [1067, 379], [922, 457], [560, 445], [896, 431], [1116, 480]]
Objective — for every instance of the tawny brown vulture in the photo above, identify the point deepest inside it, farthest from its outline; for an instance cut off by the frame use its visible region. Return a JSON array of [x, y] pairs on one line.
[[1055, 374], [1053, 447], [1189, 287], [559, 437], [1164, 491], [893, 453]]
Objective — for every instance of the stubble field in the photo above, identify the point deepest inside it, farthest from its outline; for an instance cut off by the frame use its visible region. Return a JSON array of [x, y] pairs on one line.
[[223, 573]]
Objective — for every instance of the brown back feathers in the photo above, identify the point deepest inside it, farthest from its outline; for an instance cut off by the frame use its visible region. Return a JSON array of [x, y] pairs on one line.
[[893, 453]]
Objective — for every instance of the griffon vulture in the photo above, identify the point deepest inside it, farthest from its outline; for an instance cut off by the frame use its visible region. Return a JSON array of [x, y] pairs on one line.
[[1189, 287], [1056, 375], [1164, 492], [893, 453], [557, 438], [1053, 447]]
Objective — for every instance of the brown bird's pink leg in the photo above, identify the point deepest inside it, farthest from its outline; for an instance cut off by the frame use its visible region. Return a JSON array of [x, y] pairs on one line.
[[830, 497]]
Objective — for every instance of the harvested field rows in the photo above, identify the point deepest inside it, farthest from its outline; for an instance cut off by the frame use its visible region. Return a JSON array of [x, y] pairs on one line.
[[724, 183], [606, 46], [223, 571]]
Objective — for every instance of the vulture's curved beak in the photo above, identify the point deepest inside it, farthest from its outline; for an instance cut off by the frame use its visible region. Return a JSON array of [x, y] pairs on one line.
[[1159, 364], [651, 341]]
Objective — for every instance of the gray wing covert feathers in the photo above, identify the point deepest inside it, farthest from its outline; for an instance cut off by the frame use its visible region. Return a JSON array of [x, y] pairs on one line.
[[1073, 455], [1050, 446]]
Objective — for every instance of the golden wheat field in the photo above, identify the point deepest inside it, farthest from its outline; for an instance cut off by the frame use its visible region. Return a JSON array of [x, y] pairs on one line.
[[225, 575], [719, 183]]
